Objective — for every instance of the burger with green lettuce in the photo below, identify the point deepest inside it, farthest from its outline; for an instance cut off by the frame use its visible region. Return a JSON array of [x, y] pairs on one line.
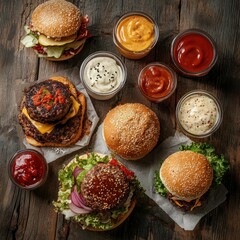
[[97, 191], [186, 176], [57, 30]]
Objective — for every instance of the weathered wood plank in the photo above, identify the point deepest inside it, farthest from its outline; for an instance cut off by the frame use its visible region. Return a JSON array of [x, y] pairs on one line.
[[30, 215]]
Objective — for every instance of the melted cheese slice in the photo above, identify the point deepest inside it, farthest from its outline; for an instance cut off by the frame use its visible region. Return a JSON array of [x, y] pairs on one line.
[[196, 204], [47, 128]]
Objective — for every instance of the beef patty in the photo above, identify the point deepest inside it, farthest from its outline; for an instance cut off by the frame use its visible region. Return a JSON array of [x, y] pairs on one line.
[[104, 187], [48, 101], [62, 133]]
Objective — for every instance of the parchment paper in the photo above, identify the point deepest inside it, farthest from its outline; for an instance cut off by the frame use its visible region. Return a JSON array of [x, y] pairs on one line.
[[53, 153], [145, 169]]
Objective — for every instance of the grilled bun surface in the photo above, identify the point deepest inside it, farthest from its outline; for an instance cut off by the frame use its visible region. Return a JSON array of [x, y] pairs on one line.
[[187, 175], [131, 130], [65, 18]]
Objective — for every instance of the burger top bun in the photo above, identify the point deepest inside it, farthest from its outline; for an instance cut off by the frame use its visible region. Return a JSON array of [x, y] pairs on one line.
[[187, 175], [56, 18], [131, 130]]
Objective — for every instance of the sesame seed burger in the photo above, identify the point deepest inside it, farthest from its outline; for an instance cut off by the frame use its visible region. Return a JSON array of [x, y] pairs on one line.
[[186, 176], [57, 30], [131, 130], [96, 191]]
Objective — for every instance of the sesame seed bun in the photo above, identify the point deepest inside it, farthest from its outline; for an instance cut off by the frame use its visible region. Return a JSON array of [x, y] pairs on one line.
[[131, 130], [105, 186], [56, 18], [187, 175]]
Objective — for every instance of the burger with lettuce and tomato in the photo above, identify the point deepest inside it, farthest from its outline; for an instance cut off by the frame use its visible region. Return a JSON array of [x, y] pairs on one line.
[[57, 30], [97, 191]]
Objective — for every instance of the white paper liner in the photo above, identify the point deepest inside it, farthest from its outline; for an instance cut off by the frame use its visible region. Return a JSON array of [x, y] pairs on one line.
[[53, 153], [145, 171]]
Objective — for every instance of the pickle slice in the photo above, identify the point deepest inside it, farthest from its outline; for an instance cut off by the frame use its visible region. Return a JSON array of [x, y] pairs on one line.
[[43, 40]]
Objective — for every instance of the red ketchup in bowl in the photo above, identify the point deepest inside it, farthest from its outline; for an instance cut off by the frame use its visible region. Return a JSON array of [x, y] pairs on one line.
[[28, 169], [193, 52], [157, 82]]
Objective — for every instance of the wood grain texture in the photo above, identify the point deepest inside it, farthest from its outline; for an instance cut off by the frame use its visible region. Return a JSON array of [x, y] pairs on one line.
[[29, 214]]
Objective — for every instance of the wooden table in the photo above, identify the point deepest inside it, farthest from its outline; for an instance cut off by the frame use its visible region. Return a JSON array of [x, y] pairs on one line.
[[29, 214]]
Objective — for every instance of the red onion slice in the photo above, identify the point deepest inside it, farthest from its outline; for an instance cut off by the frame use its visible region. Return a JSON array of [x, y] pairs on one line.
[[83, 202], [76, 171], [77, 199], [77, 210], [82, 199]]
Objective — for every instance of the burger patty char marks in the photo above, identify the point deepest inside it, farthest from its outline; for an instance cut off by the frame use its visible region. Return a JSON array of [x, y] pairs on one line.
[[62, 133], [48, 101], [104, 187]]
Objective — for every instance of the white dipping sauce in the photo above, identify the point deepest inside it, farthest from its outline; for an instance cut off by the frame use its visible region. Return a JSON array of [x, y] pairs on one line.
[[198, 114], [102, 74]]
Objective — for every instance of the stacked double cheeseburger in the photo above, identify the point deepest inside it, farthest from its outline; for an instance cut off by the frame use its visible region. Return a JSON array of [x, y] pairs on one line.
[[52, 113]]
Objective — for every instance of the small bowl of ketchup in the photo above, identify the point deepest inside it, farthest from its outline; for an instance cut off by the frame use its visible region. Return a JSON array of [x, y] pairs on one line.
[[157, 82], [193, 52], [28, 169]]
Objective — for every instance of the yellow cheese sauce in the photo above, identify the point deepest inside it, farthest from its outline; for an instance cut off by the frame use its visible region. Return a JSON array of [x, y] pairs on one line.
[[198, 114], [135, 33]]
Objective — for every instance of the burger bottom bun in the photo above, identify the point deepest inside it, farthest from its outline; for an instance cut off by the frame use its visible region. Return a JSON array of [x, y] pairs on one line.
[[120, 220], [66, 57]]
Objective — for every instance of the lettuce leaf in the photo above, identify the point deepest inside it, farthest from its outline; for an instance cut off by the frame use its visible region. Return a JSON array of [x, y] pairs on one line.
[[219, 164], [158, 184], [67, 181], [93, 220], [29, 41]]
